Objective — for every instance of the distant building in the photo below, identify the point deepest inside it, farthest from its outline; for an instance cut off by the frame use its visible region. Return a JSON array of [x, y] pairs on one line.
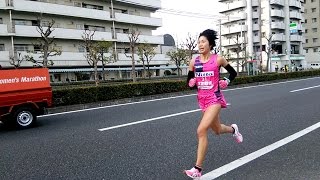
[[110, 19]]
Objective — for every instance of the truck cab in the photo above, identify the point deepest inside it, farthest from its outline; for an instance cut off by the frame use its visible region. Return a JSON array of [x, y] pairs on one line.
[[24, 95]]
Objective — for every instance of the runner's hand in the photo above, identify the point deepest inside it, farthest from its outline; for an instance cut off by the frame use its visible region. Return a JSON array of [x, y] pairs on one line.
[[192, 82]]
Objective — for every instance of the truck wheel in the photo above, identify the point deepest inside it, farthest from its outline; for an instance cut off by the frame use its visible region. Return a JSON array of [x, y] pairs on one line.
[[24, 117]]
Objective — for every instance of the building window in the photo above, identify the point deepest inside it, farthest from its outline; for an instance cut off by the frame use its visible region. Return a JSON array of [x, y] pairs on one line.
[[92, 6], [314, 20], [314, 29], [307, 40], [307, 50], [1, 47], [315, 49], [312, 1], [305, 21], [313, 9], [315, 40], [21, 47], [306, 31], [81, 49], [1, 21]]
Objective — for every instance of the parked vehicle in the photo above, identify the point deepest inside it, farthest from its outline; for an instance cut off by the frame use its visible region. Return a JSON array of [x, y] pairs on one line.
[[24, 95]]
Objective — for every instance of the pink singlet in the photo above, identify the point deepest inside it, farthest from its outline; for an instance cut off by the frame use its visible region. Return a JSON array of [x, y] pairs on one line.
[[207, 80]]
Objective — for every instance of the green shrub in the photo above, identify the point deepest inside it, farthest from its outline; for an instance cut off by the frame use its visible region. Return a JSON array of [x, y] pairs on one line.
[[89, 94]]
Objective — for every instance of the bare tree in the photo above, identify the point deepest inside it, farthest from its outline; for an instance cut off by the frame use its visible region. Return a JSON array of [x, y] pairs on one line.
[[146, 53], [46, 43], [240, 46], [268, 49], [133, 36], [179, 56], [16, 60], [95, 52], [191, 44]]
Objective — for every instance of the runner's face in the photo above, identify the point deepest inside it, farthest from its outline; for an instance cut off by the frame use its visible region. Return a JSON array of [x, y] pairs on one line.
[[203, 45]]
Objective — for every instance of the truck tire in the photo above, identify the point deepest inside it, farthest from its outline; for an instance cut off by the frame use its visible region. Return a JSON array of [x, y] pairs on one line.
[[24, 117]]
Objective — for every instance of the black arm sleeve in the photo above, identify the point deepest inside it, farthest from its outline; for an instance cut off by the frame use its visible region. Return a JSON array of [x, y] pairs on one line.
[[190, 76], [231, 71]]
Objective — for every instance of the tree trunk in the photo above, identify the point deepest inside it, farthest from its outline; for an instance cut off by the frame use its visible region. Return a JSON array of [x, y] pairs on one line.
[[96, 78], [45, 56], [133, 72], [144, 70], [149, 75]]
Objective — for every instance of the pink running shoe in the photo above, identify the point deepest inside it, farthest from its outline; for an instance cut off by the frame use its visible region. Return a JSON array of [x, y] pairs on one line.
[[193, 173], [237, 134]]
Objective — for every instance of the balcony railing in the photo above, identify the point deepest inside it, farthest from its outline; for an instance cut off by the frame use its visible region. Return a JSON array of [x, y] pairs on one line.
[[122, 37], [133, 19], [60, 33], [236, 29], [295, 15], [277, 2], [49, 8], [233, 5], [277, 13], [277, 25], [153, 4]]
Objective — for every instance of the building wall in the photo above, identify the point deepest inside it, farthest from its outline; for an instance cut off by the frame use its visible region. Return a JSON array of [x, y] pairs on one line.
[[71, 18]]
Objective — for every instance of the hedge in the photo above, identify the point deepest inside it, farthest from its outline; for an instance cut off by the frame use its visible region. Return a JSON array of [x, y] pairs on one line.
[[82, 95]]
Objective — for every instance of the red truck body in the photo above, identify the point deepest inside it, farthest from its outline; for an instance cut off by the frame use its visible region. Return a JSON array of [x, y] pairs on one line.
[[24, 94]]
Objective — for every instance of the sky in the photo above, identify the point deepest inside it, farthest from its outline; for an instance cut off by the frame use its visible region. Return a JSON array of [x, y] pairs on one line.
[[179, 26]]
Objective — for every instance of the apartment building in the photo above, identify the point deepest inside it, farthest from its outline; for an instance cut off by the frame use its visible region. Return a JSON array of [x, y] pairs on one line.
[[312, 34], [110, 19], [255, 27]]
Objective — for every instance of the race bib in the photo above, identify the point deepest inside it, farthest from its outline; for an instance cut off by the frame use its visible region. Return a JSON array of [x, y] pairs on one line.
[[204, 79]]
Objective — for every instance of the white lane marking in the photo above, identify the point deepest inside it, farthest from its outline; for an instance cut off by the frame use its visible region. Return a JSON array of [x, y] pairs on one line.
[[252, 156], [117, 105], [152, 119], [304, 89], [148, 120], [160, 99]]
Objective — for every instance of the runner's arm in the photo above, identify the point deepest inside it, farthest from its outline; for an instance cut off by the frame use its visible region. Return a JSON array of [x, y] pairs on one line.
[[232, 73]]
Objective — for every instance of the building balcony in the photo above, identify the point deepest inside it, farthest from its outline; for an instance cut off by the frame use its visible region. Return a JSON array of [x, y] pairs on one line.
[[152, 4], [294, 3], [63, 10], [256, 39], [60, 33], [6, 4], [4, 58], [277, 13], [233, 30], [296, 38], [278, 37], [255, 15], [133, 19], [122, 37], [158, 59], [69, 59], [233, 5], [3, 30], [295, 15], [277, 25], [255, 3], [233, 41], [277, 2], [255, 27], [235, 17]]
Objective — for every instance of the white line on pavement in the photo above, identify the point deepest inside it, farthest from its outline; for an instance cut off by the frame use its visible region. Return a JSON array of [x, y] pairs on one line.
[[148, 120], [304, 89], [160, 99], [250, 157]]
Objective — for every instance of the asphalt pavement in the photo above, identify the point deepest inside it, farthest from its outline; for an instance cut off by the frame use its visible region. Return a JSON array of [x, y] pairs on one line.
[[156, 139]]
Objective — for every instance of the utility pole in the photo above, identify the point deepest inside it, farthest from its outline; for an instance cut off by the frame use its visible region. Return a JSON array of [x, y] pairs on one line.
[[260, 24], [220, 26]]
